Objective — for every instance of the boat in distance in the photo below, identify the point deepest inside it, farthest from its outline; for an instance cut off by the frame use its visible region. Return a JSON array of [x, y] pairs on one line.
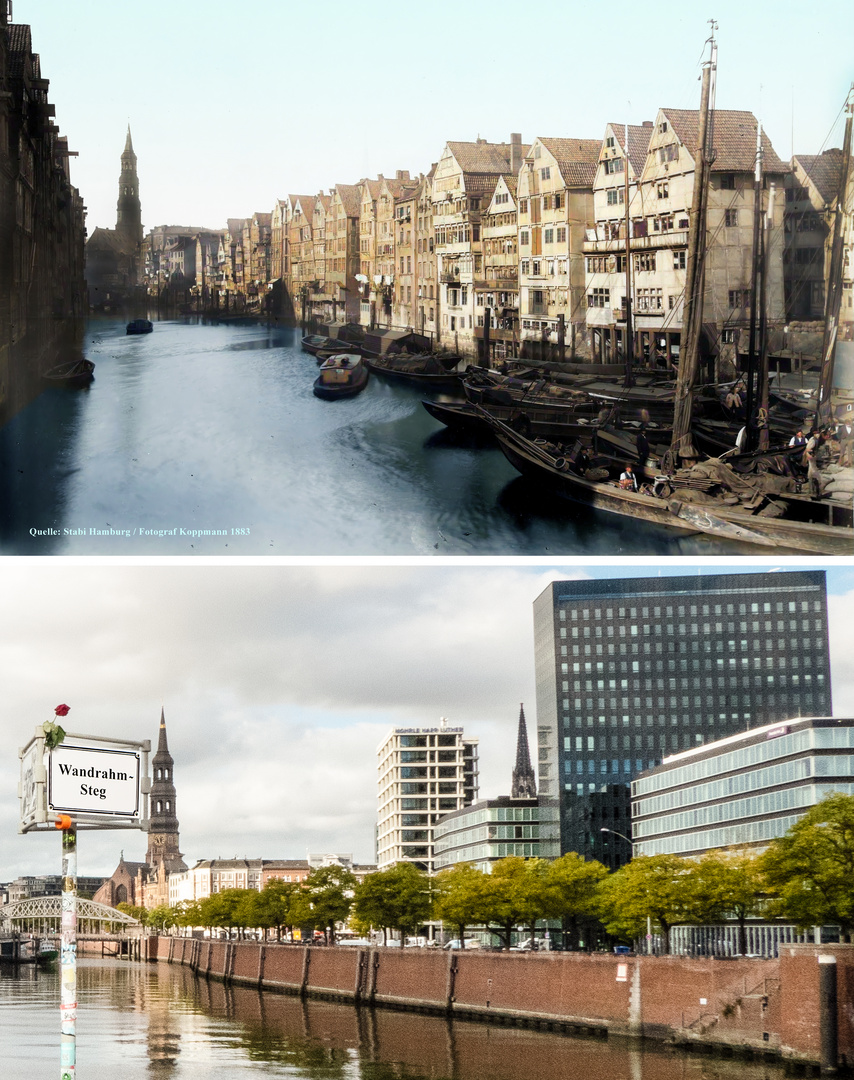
[[342, 375], [139, 326]]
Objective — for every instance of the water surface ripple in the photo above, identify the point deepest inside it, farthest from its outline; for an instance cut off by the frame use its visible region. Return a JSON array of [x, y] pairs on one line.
[[200, 427]]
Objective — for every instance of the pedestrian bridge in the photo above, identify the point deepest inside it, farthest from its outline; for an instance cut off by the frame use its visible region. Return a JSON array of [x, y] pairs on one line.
[[43, 915]]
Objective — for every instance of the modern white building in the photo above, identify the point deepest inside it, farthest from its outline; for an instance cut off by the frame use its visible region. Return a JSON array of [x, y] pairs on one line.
[[422, 773], [744, 790]]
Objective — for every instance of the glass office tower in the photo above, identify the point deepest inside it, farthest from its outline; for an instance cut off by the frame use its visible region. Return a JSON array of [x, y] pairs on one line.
[[631, 670]]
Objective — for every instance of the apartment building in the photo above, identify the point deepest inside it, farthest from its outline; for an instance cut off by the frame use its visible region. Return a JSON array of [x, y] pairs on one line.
[[422, 773]]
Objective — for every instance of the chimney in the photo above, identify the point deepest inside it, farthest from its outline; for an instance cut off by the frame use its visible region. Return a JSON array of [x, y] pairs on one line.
[[402, 174], [515, 152]]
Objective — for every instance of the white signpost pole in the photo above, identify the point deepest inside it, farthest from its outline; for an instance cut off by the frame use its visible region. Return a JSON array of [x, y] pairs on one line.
[[101, 784], [68, 951]]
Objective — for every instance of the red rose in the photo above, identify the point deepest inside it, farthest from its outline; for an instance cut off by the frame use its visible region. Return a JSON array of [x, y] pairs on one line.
[[61, 710]]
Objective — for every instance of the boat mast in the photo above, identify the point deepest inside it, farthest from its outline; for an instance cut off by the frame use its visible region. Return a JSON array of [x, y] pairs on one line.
[[629, 380], [762, 388], [692, 317], [750, 396], [834, 280]]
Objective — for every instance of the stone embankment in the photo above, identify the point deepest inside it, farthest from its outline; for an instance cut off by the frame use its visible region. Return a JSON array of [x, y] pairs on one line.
[[774, 1008]]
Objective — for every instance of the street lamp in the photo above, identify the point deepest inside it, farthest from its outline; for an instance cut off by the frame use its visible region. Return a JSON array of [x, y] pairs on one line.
[[621, 835], [648, 919]]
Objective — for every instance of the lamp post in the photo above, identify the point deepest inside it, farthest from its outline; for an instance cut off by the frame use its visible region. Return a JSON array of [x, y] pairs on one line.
[[648, 919], [621, 835]]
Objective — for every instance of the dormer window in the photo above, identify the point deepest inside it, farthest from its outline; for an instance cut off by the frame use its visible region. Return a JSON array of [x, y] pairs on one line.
[[662, 127]]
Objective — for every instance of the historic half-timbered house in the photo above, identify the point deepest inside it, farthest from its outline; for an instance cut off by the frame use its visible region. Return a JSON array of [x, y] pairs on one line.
[[497, 290], [659, 207], [463, 184], [555, 202]]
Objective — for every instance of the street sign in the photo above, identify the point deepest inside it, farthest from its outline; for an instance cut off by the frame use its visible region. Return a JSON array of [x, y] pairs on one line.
[[92, 780], [99, 783]]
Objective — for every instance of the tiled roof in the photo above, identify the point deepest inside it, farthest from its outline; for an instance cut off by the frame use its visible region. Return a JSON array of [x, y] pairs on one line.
[[20, 46], [264, 219], [373, 187], [351, 198], [324, 200], [107, 239], [484, 157], [823, 171], [235, 225], [577, 159], [638, 142], [482, 184], [734, 139]]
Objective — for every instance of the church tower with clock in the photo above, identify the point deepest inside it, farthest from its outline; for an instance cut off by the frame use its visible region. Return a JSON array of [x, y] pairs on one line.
[[163, 855]]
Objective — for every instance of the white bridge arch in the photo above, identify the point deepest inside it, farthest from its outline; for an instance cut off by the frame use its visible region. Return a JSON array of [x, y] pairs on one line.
[[43, 914]]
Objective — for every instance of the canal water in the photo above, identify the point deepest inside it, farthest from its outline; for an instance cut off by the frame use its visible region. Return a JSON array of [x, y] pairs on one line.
[[200, 429], [144, 1021]]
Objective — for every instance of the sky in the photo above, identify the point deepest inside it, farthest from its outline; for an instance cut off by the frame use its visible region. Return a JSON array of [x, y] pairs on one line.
[[232, 106], [279, 682]]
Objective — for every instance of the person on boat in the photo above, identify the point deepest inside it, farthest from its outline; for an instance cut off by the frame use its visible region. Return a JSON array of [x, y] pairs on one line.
[[628, 480], [642, 444], [811, 450], [582, 461], [798, 439]]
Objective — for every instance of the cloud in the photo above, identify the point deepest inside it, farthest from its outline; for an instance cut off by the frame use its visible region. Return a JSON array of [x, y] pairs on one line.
[[278, 683]]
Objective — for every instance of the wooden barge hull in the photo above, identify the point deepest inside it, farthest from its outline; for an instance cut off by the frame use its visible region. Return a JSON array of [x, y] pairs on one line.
[[673, 513]]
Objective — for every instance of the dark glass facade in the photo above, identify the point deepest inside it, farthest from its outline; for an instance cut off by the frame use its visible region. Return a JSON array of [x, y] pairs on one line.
[[631, 670]]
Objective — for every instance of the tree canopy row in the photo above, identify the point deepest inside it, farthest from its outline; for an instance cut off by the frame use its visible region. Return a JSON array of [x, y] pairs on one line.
[[805, 877]]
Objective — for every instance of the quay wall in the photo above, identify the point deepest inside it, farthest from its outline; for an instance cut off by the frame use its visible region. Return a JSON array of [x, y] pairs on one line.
[[759, 1007]]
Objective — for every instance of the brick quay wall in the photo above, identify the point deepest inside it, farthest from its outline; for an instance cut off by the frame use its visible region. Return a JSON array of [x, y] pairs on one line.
[[757, 1007]]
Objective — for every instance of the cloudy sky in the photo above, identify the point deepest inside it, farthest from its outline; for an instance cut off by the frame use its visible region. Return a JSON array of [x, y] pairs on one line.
[[235, 105], [278, 683]]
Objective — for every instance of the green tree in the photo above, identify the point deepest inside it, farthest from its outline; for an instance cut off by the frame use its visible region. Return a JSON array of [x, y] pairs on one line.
[[572, 885], [162, 917], [223, 909], [282, 905], [811, 868], [657, 887], [514, 894], [398, 898], [330, 891], [460, 897], [135, 912], [728, 885]]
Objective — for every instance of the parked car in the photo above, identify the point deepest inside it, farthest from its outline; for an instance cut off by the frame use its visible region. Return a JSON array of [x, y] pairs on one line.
[[455, 943]]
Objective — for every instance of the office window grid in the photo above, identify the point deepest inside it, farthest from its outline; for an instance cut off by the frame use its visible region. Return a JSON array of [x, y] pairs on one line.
[[642, 668]]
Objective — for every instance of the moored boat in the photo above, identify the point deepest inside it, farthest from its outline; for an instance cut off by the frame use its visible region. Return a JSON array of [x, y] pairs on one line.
[[139, 326], [342, 375], [720, 503], [424, 369], [313, 342], [71, 373]]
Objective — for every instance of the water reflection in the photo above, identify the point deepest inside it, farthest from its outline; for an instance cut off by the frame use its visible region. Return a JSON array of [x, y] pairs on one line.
[[142, 1021]]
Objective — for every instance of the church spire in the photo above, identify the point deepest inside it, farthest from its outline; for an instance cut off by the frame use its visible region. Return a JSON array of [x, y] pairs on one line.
[[163, 825], [128, 209], [524, 784], [162, 744]]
